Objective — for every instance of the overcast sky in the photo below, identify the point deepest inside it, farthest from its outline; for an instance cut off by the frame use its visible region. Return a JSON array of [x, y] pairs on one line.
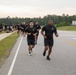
[[36, 8]]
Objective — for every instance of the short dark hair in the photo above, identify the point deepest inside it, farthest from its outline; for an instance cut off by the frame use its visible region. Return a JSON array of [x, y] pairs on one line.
[[31, 21]]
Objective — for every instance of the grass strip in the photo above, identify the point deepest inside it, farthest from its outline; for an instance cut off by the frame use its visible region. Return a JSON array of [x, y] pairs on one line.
[[67, 28], [6, 46]]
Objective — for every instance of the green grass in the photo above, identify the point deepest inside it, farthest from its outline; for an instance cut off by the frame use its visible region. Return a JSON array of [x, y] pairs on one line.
[[6, 46], [68, 28]]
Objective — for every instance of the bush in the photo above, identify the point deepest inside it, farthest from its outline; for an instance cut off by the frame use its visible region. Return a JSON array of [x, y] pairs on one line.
[[62, 24]]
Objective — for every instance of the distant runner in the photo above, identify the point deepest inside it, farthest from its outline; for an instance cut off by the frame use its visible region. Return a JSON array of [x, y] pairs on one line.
[[38, 28], [18, 28], [23, 27], [48, 37], [1, 27]]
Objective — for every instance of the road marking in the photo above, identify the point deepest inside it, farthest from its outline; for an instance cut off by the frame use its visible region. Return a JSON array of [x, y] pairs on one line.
[[72, 43], [69, 42], [13, 62]]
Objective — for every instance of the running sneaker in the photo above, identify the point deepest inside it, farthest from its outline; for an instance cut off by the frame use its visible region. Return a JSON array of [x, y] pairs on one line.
[[48, 58], [29, 53], [44, 53]]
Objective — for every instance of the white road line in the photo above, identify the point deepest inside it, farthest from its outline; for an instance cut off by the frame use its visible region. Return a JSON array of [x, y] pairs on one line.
[[13, 62]]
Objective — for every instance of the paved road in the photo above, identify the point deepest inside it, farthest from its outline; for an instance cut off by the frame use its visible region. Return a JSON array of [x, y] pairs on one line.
[[63, 58]]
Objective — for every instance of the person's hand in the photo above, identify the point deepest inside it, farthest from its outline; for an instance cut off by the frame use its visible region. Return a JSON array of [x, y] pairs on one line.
[[24, 35], [37, 29], [45, 37], [56, 35], [34, 34], [29, 34]]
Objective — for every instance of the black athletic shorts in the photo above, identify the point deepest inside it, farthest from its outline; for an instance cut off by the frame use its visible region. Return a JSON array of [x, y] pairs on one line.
[[30, 41], [48, 42]]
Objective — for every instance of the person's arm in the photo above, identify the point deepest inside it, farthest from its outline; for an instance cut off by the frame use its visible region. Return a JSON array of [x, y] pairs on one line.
[[21, 27], [39, 28], [35, 31], [42, 32], [56, 34], [35, 34], [27, 32]]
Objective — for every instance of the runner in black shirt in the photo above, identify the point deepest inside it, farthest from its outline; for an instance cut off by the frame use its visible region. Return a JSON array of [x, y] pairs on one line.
[[31, 32], [48, 37], [38, 28], [18, 28], [23, 27], [1, 27]]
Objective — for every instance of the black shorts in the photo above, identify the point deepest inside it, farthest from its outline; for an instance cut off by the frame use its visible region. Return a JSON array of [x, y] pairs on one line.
[[48, 42], [30, 41]]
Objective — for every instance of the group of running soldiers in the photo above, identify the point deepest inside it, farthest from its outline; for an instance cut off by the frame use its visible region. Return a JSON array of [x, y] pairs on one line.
[[32, 32], [8, 28]]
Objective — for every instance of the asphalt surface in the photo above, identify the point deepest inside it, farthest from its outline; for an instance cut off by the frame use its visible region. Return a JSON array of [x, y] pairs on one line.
[[63, 57]]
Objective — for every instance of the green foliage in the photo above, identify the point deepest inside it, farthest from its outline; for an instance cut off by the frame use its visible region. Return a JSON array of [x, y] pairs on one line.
[[63, 24], [58, 20]]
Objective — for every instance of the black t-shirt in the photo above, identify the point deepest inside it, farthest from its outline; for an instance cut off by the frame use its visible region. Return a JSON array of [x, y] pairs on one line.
[[32, 31], [26, 26], [23, 27], [1, 26], [49, 30], [18, 27], [37, 26]]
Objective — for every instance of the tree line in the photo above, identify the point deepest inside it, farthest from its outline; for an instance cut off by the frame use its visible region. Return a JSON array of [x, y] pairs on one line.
[[63, 20]]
